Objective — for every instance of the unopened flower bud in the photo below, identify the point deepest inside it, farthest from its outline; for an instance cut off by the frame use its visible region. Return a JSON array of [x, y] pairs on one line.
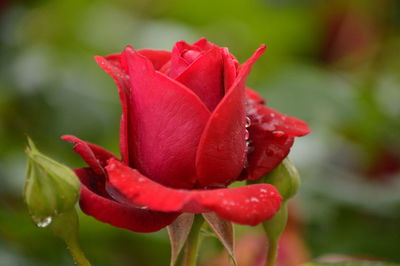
[[285, 178], [50, 189]]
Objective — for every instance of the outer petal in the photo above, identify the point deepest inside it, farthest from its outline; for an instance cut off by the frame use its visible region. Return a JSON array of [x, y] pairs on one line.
[[222, 149], [276, 123], [253, 97], [205, 77], [245, 205], [120, 215], [158, 57], [230, 69], [168, 120], [271, 137], [114, 66], [204, 44], [95, 156]]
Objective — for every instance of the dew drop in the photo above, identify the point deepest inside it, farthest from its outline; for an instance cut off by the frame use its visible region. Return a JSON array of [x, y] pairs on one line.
[[248, 122], [246, 135], [44, 222], [278, 133], [254, 199]]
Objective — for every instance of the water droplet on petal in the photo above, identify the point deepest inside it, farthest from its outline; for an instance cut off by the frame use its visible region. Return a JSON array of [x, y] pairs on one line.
[[246, 135], [254, 199], [278, 133], [248, 122], [44, 222]]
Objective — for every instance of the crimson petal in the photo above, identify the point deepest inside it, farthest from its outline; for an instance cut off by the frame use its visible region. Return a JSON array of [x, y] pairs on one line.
[[230, 69], [158, 57], [95, 156], [279, 124], [205, 77], [120, 215], [222, 149], [249, 205], [114, 66], [271, 135], [166, 135], [253, 97]]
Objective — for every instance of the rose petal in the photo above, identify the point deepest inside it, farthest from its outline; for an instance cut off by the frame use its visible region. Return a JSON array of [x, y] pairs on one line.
[[245, 205], [271, 137], [114, 66], [158, 57], [120, 215], [204, 44], [222, 149], [205, 77], [253, 97], [278, 124], [178, 60], [168, 120], [267, 153], [230, 69], [95, 156]]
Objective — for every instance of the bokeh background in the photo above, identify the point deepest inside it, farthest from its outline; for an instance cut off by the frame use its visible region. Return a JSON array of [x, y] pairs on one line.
[[334, 64]]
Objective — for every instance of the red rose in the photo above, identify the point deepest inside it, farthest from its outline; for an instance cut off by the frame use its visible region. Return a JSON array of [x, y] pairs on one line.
[[189, 128]]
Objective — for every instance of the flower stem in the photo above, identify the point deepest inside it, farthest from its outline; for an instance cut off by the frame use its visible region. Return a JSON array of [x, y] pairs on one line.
[[77, 254], [272, 253], [273, 229], [193, 242], [65, 226]]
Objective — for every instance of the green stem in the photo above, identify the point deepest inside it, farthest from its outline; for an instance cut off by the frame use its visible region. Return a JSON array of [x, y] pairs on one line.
[[77, 254], [274, 229], [193, 242], [272, 253], [66, 226]]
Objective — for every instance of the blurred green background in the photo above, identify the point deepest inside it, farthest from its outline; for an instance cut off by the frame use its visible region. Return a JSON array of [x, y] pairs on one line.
[[334, 64]]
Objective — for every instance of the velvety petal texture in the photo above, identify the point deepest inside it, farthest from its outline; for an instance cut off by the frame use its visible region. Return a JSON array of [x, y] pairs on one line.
[[168, 121], [109, 211], [271, 136], [205, 77], [222, 149], [189, 128], [249, 205], [95, 156]]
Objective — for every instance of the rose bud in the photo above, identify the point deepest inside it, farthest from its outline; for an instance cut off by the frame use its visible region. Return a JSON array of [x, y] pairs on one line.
[[189, 129], [50, 189]]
